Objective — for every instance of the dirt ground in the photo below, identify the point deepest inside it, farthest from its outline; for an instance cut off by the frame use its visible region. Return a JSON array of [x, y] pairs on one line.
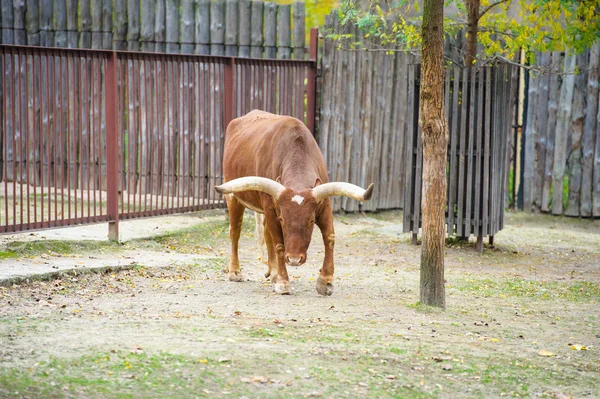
[[522, 320]]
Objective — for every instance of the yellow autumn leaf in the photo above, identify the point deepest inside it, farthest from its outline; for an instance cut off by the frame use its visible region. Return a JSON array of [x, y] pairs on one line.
[[203, 361], [494, 340], [545, 353], [579, 347]]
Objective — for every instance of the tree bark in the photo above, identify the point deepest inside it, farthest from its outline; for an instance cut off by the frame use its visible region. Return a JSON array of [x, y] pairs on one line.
[[435, 142], [473, 26]]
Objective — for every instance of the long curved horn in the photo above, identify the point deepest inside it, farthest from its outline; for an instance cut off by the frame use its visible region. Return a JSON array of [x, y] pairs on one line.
[[340, 188], [251, 183]]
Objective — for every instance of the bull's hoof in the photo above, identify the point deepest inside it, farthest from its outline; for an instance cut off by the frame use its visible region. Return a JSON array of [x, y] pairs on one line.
[[282, 288], [324, 288], [268, 274], [235, 276]]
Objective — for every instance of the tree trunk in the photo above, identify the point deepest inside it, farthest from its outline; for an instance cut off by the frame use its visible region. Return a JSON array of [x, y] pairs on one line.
[[435, 142], [472, 23]]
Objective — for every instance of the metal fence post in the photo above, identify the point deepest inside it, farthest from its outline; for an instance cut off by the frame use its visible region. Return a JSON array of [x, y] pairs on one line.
[[228, 94], [112, 147], [311, 99]]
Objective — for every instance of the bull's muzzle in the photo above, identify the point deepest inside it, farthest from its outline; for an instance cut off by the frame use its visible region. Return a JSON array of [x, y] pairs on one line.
[[295, 260]]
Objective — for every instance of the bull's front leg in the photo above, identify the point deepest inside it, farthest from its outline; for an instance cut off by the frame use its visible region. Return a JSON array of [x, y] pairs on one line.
[[325, 223], [281, 280]]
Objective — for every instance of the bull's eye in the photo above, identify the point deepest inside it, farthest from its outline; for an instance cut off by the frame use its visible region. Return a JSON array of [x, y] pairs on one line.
[[280, 219], [311, 223]]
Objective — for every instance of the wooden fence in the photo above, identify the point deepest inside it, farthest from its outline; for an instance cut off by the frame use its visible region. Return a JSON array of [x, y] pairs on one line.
[[219, 27], [561, 171]]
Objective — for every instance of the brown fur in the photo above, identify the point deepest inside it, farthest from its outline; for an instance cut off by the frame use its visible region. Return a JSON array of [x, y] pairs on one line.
[[279, 148]]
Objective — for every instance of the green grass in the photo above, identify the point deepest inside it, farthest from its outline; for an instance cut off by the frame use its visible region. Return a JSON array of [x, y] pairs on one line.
[[19, 249], [579, 291]]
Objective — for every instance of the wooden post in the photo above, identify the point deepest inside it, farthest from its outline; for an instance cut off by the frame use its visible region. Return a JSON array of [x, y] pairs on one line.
[[530, 135], [172, 14], [202, 27], [244, 34], [217, 27], [47, 23], [133, 25], [312, 83], [283, 32], [160, 28], [590, 140], [112, 147], [7, 19], [120, 29], [270, 30], [97, 24], [19, 24], [187, 26], [542, 130], [256, 41], [231, 28], [147, 26], [32, 22], [228, 91], [107, 26], [299, 27]]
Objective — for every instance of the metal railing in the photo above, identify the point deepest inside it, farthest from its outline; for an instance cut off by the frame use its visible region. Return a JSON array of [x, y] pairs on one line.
[[90, 136]]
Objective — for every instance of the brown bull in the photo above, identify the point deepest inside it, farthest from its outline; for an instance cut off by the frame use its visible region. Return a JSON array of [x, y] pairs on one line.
[[272, 165]]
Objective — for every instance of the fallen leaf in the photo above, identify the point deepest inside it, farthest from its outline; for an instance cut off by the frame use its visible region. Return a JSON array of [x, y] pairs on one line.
[[261, 379], [203, 361], [545, 353], [579, 347]]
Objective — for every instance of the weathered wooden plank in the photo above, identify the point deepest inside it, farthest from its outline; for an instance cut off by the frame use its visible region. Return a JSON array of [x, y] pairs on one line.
[[85, 24], [107, 27], [19, 22], [551, 126], [596, 180], [187, 26], [479, 132], [299, 29], [202, 24], [96, 12], [407, 224], [270, 30], [217, 27], [471, 156], [8, 20], [386, 157], [350, 127], [160, 26], [120, 28], [576, 129], [461, 230], [284, 32], [560, 143], [244, 31], [172, 26], [400, 129], [541, 129], [47, 23], [32, 22], [366, 149], [147, 25], [589, 133], [231, 27], [530, 139], [453, 125], [485, 187], [256, 28], [356, 119]]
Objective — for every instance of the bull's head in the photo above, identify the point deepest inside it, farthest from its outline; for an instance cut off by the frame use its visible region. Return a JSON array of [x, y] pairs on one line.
[[296, 210]]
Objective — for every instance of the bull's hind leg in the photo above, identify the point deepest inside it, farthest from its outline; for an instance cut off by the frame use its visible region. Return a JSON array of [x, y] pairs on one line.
[[236, 217]]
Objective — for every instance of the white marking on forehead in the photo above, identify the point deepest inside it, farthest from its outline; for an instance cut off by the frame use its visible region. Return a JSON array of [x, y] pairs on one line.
[[298, 199]]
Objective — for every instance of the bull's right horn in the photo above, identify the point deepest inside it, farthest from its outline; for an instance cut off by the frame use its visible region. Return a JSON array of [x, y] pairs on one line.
[[252, 183], [341, 188]]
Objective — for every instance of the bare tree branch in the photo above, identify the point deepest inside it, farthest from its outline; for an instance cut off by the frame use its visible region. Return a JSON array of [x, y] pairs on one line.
[[485, 10]]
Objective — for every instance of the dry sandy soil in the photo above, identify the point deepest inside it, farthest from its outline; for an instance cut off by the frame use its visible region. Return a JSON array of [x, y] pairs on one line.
[[522, 319]]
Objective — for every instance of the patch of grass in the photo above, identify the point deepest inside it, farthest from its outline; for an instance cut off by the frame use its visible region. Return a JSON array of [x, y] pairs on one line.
[[196, 239], [17, 249], [580, 291]]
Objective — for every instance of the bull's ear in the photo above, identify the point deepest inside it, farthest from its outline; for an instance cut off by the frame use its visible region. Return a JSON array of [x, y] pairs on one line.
[[278, 180], [318, 182]]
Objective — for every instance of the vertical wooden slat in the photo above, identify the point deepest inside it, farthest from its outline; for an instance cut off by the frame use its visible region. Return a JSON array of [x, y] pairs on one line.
[[47, 23], [541, 129], [283, 32], [487, 135], [97, 24], [120, 28], [60, 23], [479, 132], [576, 129], [9, 20], [217, 27], [160, 26], [187, 26], [270, 29], [172, 26], [32, 22], [589, 142], [472, 134], [562, 128], [147, 25], [107, 25], [133, 25], [231, 27], [244, 28], [410, 155], [453, 121], [530, 139], [256, 28], [299, 29], [202, 31], [462, 227]]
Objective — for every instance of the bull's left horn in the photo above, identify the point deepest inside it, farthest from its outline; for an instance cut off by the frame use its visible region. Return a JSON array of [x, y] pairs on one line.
[[251, 183], [340, 188]]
